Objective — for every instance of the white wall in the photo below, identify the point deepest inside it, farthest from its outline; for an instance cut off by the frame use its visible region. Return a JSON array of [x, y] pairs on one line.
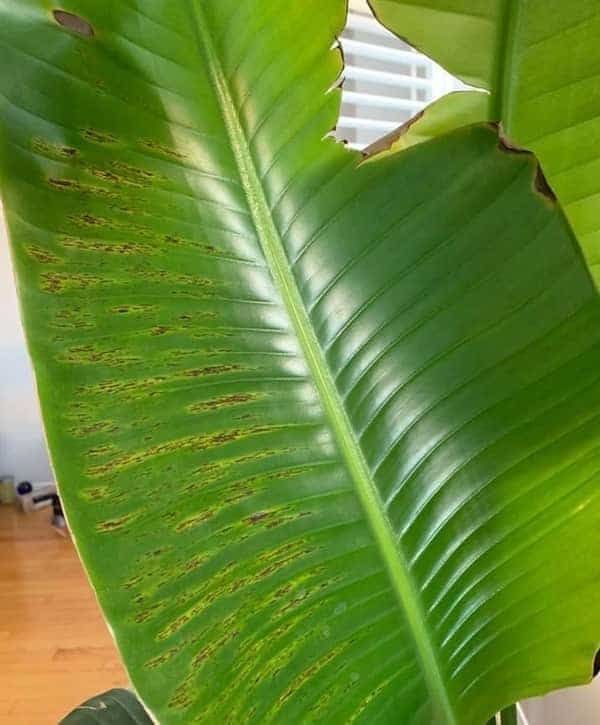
[[576, 706], [22, 445]]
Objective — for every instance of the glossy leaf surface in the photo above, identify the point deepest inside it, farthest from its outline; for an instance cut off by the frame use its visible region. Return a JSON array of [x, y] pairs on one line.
[[326, 431], [540, 62]]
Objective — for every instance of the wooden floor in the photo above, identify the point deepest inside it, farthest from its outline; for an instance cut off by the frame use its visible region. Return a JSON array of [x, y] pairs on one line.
[[55, 650]]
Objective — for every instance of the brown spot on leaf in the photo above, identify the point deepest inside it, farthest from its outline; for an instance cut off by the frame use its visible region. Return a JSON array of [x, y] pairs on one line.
[[179, 241], [97, 493], [133, 309], [43, 256], [182, 698], [101, 450], [114, 524], [226, 437], [73, 22], [162, 149], [50, 149], [56, 283], [112, 178], [148, 613], [195, 521], [62, 183], [258, 516], [190, 443], [211, 370], [88, 220], [223, 402], [93, 354], [96, 136], [134, 171], [104, 426], [106, 247], [163, 658]]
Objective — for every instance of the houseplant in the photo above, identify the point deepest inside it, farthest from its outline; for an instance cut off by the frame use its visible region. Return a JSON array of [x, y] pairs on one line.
[[325, 427]]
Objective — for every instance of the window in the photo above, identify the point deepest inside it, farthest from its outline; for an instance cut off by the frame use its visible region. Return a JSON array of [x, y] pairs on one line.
[[386, 81]]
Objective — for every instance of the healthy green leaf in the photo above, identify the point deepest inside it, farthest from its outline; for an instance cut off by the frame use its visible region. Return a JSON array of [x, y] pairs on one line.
[[540, 62], [326, 431], [452, 111], [115, 707]]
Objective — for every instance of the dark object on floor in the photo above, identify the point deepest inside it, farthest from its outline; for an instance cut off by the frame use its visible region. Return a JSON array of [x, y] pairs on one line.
[[34, 496], [115, 707], [59, 522]]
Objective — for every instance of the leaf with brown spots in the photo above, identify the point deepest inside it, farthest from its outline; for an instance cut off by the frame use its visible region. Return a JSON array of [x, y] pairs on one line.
[[325, 428]]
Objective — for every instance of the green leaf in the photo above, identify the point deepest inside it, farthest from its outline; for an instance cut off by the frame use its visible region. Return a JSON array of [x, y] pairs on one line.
[[508, 716], [326, 431], [115, 707], [452, 111], [540, 60]]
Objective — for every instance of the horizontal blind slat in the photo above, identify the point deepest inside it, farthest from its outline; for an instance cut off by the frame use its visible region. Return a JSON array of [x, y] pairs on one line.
[[357, 73], [381, 52], [376, 101], [368, 123], [358, 21], [385, 81]]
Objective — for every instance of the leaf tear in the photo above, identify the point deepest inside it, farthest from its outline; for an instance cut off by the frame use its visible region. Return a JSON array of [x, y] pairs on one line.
[[540, 183], [542, 186], [506, 144], [386, 142]]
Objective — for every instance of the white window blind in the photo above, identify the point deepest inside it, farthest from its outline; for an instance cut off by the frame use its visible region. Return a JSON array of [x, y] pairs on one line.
[[386, 81]]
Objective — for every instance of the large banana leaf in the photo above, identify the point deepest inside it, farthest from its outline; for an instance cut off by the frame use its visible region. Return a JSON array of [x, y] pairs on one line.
[[327, 432], [540, 62]]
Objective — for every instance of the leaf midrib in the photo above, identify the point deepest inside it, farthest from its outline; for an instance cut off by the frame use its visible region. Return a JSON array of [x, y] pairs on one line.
[[273, 249], [502, 79]]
